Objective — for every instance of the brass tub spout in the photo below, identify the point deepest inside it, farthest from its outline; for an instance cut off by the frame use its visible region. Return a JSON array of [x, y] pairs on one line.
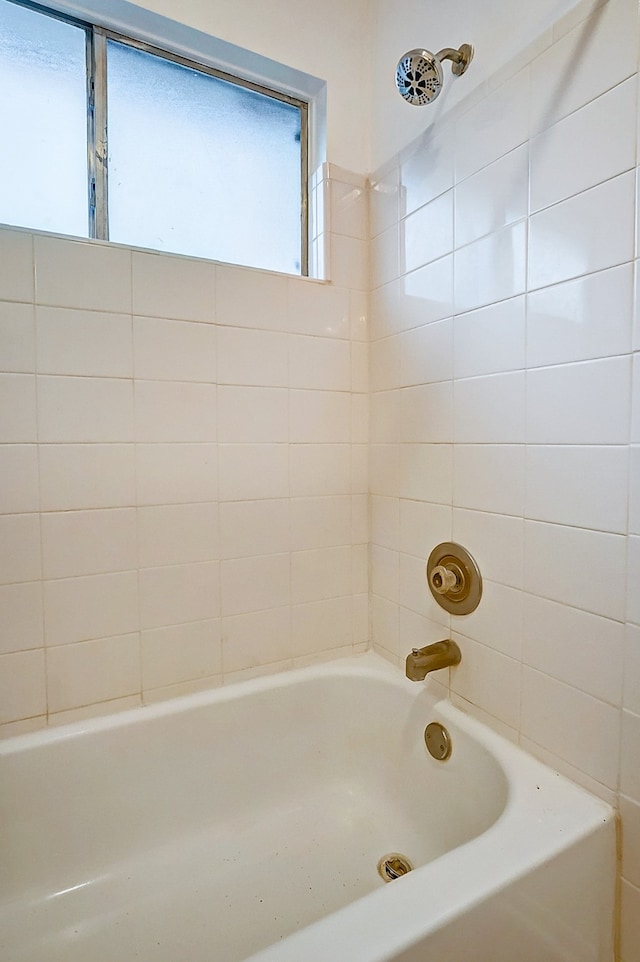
[[442, 654]]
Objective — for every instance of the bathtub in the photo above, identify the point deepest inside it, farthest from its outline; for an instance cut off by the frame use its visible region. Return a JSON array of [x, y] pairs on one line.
[[248, 822]]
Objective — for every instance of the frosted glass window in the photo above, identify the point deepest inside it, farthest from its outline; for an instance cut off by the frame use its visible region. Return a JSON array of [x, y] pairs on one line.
[[201, 166], [43, 120]]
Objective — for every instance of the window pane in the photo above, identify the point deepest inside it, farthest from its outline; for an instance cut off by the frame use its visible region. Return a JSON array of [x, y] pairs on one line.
[[201, 166], [43, 119]]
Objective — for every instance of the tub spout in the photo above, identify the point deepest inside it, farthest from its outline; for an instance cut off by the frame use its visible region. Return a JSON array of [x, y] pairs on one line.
[[421, 661]]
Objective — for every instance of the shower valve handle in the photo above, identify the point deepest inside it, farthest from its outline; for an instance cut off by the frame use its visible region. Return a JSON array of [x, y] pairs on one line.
[[443, 579]]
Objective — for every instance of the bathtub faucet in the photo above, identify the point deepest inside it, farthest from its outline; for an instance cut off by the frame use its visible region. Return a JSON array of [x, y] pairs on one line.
[[421, 661]]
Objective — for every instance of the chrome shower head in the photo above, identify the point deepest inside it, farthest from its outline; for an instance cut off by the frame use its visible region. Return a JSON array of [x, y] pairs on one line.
[[419, 76]]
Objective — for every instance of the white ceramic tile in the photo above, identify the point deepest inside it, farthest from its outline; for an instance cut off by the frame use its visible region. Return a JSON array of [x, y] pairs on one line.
[[183, 653], [635, 401], [359, 367], [85, 409], [385, 573], [21, 617], [88, 542], [18, 420], [426, 171], [92, 671], [563, 243], [563, 161], [630, 815], [320, 522], [426, 354], [427, 234], [173, 350], [633, 579], [630, 756], [96, 710], [385, 522], [384, 252], [319, 309], [423, 296], [359, 316], [165, 285], [155, 695], [96, 606], [23, 726], [634, 489], [320, 574], [586, 318], [19, 492], [631, 695], [176, 473], [359, 470], [573, 646], [489, 477], [415, 631], [584, 403], [318, 469], [426, 413], [360, 569], [16, 265], [426, 472], [248, 357], [566, 564], [630, 923], [474, 679], [493, 198], [349, 213], [175, 594], [252, 414], [360, 418], [490, 340], [385, 416], [497, 621], [575, 726], [563, 78], [321, 625], [384, 468], [319, 416], [175, 411], [385, 637], [89, 343], [491, 269], [422, 526], [360, 519], [349, 262], [319, 363], [256, 638], [490, 410], [253, 471], [413, 592], [556, 473], [250, 528], [493, 126], [82, 274], [20, 551], [87, 476], [22, 685], [177, 534], [17, 337], [384, 192], [253, 584], [385, 363], [495, 541], [246, 298]]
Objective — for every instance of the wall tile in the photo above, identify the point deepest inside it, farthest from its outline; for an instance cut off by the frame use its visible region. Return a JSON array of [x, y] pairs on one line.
[[176, 594], [320, 522], [426, 413], [246, 298], [95, 606], [320, 363], [183, 653], [85, 409], [495, 541], [89, 343], [175, 411], [349, 214], [566, 564], [315, 308], [17, 337], [631, 699], [16, 265], [256, 638], [248, 357], [633, 579], [21, 617], [250, 528], [426, 171], [490, 340], [493, 198], [630, 814], [252, 414], [87, 476], [18, 419], [319, 417], [562, 243], [173, 350], [82, 274], [253, 471], [92, 671], [634, 489], [630, 756], [555, 473], [349, 262], [497, 622], [565, 322], [174, 287], [19, 492], [491, 269], [427, 234], [413, 592], [423, 296], [422, 526], [489, 477], [630, 923], [320, 574], [474, 680], [20, 551], [22, 685], [490, 410], [385, 522], [170, 534], [322, 625], [89, 542], [254, 584], [384, 209], [176, 473], [318, 469], [426, 354]]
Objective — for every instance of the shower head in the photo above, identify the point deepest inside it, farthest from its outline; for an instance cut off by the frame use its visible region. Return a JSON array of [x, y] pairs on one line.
[[419, 76]]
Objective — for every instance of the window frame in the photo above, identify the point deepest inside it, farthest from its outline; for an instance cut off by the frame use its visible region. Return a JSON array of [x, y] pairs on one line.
[[96, 38]]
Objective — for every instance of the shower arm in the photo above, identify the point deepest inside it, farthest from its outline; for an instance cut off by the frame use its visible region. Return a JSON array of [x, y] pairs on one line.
[[460, 59]]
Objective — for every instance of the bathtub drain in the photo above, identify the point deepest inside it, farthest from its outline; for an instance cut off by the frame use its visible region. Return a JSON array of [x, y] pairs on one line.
[[393, 866]]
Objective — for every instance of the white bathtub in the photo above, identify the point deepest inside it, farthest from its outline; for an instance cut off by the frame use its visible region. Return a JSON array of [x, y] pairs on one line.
[[248, 822]]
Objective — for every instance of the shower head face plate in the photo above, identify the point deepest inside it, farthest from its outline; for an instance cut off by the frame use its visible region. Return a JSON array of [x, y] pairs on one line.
[[419, 77]]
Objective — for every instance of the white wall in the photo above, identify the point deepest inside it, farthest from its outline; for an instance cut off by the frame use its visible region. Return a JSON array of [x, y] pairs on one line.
[[505, 407]]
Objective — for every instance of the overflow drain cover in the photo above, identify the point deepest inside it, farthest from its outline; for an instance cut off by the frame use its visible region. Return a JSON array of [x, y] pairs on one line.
[[393, 866]]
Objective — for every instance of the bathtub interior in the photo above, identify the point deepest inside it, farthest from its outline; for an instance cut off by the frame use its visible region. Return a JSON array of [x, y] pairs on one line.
[[222, 824]]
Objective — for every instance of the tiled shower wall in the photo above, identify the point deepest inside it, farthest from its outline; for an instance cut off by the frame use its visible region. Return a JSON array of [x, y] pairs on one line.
[[184, 469], [505, 405]]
